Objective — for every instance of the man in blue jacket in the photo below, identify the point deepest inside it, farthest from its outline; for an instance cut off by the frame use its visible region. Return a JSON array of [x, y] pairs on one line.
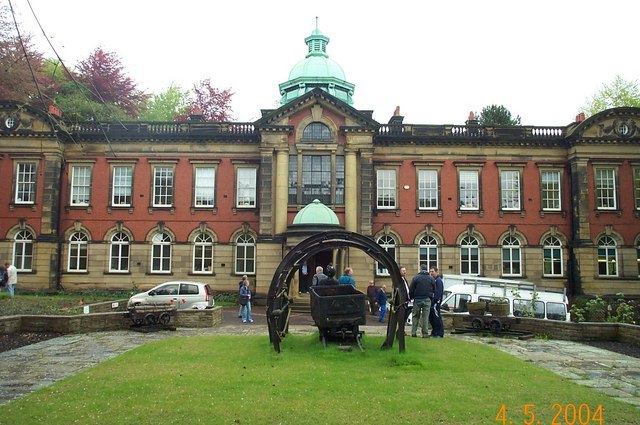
[[421, 291]]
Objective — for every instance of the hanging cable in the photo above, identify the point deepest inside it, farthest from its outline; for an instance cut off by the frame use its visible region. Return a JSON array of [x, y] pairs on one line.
[[94, 91]]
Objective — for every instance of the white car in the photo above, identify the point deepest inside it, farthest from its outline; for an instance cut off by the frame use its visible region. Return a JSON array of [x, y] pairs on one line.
[[184, 294]]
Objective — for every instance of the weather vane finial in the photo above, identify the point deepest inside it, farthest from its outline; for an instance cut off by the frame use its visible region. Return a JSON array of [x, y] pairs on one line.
[[316, 22]]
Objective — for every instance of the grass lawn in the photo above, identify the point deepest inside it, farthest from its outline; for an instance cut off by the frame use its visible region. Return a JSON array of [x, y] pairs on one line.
[[241, 380]]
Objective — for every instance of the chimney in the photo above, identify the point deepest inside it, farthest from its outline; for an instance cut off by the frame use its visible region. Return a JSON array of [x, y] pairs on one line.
[[472, 119], [55, 111], [580, 117], [196, 115]]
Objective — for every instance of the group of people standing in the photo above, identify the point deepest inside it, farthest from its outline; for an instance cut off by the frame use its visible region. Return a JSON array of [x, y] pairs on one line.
[[244, 294], [426, 290], [9, 277]]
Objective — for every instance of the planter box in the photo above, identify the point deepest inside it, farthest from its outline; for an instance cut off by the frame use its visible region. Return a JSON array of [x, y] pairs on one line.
[[499, 309], [477, 308]]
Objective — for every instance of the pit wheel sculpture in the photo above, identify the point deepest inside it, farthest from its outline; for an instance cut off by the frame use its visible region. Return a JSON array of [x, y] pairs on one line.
[[279, 299]]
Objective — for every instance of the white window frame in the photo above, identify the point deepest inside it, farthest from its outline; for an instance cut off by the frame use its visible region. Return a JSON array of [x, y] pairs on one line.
[[469, 190], [122, 186], [428, 189], [427, 249], [202, 254], [246, 187], [245, 261], [163, 186], [605, 188], [205, 187], [389, 244], [78, 258], [161, 251], [608, 257], [23, 248], [510, 196], [26, 182], [511, 256], [636, 187], [552, 246], [120, 252], [469, 245], [551, 190], [386, 189], [80, 185]]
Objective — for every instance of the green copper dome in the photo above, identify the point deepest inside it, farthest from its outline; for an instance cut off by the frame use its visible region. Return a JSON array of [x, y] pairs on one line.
[[316, 70], [316, 213]]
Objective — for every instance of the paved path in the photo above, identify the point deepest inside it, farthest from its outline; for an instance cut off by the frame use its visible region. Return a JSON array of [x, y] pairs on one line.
[[29, 368]]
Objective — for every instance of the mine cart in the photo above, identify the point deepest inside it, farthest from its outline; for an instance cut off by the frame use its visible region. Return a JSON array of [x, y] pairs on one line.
[[152, 314], [338, 311]]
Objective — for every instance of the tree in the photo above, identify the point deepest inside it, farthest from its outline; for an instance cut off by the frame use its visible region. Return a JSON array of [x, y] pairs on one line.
[[212, 103], [103, 73], [17, 76], [167, 105], [617, 94], [497, 115]]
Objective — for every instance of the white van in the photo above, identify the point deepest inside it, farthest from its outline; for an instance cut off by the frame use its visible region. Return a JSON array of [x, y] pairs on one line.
[[461, 290]]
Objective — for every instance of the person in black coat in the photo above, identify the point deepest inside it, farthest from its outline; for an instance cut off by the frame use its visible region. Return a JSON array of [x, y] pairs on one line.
[[437, 326], [421, 291]]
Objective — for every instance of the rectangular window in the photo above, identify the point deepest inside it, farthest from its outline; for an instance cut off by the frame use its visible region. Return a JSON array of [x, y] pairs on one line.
[[80, 185], [636, 186], [510, 190], [469, 190], [550, 187], [339, 180], [246, 194], [26, 183], [427, 189], [386, 189], [205, 187], [316, 178], [293, 180], [163, 187], [605, 181], [122, 186]]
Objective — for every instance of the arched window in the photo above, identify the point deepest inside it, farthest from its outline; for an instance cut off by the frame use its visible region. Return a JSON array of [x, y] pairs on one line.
[[245, 254], [552, 256], [78, 252], [316, 131], [203, 253], [469, 256], [607, 256], [511, 257], [23, 251], [428, 251], [119, 253], [388, 243], [161, 253]]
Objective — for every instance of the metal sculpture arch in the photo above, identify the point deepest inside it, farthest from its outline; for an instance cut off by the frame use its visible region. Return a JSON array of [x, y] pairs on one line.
[[279, 299]]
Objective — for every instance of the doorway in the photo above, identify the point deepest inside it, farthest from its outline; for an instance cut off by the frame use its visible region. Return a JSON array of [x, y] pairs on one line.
[[308, 269]]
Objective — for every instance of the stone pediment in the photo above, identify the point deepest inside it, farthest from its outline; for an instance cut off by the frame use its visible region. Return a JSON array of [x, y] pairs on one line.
[[611, 124], [17, 119], [277, 118]]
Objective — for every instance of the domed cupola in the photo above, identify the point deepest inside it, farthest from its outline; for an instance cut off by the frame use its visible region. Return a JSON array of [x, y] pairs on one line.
[[313, 218], [316, 70]]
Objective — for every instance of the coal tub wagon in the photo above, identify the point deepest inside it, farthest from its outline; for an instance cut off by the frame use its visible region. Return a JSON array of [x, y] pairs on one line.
[[338, 311]]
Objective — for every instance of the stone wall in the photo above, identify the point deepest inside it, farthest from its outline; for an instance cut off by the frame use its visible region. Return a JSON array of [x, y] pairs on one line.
[[571, 331], [95, 322]]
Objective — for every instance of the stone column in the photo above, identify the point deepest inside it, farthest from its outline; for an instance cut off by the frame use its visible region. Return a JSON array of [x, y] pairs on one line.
[[350, 190], [281, 192]]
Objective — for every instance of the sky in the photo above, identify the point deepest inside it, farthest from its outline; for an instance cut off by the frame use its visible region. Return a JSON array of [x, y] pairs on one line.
[[437, 60]]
